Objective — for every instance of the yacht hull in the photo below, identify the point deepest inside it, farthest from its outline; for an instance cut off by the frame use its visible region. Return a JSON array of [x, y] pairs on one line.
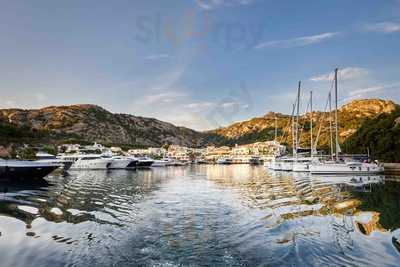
[[286, 166], [93, 164], [144, 164], [330, 169], [120, 163], [25, 171], [132, 164], [66, 165], [159, 163], [301, 167]]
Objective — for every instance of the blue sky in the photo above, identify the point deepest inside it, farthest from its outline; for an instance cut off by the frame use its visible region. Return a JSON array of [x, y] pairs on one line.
[[196, 63]]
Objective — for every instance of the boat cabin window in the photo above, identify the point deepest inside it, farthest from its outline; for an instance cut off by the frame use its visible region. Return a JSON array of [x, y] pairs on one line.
[[89, 158], [46, 157]]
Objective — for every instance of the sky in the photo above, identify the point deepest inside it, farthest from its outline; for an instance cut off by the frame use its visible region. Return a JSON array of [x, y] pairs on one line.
[[202, 64]]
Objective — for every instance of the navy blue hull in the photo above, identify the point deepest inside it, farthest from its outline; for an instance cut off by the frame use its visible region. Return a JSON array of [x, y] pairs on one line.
[[25, 173], [144, 164], [132, 164]]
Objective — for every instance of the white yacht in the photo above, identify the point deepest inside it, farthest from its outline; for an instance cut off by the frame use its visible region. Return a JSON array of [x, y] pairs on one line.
[[274, 164], [224, 161], [119, 162], [286, 164], [302, 164], [87, 161], [200, 161], [159, 163], [349, 167], [162, 162], [142, 162], [49, 158], [176, 162], [338, 165]]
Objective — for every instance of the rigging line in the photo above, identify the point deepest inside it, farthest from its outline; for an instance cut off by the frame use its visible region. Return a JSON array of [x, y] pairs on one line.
[[283, 138], [302, 128], [320, 126], [325, 113]]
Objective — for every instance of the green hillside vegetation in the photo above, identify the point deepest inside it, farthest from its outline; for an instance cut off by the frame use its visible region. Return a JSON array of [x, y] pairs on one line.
[[381, 135], [10, 133]]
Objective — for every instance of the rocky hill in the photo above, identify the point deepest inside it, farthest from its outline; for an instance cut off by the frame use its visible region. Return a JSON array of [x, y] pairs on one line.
[[380, 135], [91, 123], [351, 117]]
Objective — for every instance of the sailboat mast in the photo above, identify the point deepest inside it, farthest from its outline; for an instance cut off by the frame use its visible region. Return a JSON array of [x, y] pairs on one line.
[[276, 127], [311, 125], [293, 130], [297, 117], [330, 123], [336, 115]]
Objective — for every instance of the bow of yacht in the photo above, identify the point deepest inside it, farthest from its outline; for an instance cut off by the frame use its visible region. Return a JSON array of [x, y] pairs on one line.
[[87, 161]]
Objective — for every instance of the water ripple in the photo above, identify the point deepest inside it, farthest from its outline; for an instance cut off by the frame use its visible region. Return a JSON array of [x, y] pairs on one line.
[[200, 216]]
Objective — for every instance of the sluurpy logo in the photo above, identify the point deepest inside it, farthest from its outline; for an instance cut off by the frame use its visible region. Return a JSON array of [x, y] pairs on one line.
[[197, 28]]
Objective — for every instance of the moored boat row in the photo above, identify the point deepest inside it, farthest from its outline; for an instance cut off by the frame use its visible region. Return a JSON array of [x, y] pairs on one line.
[[335, 164], [45, 164]]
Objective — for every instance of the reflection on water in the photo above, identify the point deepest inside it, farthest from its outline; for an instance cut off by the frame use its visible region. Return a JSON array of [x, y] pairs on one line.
[[201, 216]]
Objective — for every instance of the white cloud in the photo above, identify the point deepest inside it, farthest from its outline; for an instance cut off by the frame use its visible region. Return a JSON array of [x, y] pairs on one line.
[[163, 97], [349, 73], [162, 83], [373, 89], [212, 4], [158, 56], [383, 27], [229, 104], [299, 41], [200, 105]]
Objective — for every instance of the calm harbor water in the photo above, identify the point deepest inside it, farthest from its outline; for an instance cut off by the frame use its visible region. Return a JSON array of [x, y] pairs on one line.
[[234, 215]]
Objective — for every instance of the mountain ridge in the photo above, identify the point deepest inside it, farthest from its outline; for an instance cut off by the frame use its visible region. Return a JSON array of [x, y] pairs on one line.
[[93, 123], [351, 116]]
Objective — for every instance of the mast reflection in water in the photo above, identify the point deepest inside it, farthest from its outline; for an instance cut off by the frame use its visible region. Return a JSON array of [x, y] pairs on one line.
[[234, 215]]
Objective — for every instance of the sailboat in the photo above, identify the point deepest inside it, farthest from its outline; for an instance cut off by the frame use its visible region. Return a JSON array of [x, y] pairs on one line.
[[286, 163], [340, 164], [302, 164]]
